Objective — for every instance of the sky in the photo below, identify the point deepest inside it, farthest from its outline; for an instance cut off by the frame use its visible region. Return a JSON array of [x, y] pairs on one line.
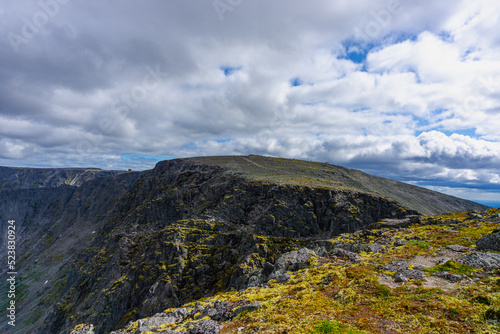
[[408, 90]]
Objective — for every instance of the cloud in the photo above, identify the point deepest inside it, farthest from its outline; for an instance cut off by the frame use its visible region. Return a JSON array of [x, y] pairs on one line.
[[97, 83]]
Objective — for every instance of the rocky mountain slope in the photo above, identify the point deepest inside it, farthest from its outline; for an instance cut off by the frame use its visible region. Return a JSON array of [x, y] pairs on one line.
[[128, 245], [31, 178], [440, 275]]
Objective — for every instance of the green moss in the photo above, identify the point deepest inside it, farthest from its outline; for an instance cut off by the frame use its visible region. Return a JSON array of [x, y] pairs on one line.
[[419, 243], [333, 327], [451, 267]]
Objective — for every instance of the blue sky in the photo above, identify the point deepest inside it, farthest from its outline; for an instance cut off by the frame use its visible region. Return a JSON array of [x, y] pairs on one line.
[[403, 89]]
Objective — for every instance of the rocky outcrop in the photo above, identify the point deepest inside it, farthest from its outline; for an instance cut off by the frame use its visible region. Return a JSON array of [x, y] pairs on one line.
[[206, 318], [481, 260], [489, 242], [395, 266], [448, 276], [405, 275]]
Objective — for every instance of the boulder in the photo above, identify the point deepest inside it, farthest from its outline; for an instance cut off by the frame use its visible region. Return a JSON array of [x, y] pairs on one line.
[[448, 276], [280, 276], [83, 329], [205, 327], [376, 248], [458, 248], [395, 266], [399, 243], [344, 254], [489, 242], [295, 260], [397, 223], [481, 260], [405, 275]]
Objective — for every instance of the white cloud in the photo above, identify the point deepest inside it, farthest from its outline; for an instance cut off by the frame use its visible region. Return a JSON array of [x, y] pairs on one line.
[[75, 94]]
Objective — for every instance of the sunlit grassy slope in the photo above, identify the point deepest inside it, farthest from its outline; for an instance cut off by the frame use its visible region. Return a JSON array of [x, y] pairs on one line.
[[315, 174]]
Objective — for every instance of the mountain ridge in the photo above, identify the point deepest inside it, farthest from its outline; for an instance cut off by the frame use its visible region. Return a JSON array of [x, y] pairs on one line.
[[186, 229], [308, 173]]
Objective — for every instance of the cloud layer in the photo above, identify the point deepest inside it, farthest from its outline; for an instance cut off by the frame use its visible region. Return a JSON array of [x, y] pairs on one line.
[[403, 89]]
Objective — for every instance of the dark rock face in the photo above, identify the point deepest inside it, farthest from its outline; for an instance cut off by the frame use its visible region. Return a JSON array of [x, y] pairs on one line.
[[31, 178], [489, 242], [119, 248]]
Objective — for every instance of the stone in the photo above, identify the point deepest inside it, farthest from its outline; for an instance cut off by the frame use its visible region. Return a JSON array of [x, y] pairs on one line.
[[458, 248], [405, 275], [280, 276], [398, 243], [295, 260], [489, 242], [448, 276], [344, 254], [481, 260], [84, 329], [205, 327], [395, 266], [395, 223], [376, 248]]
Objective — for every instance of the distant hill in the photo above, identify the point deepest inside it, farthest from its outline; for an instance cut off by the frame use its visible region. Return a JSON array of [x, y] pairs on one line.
[[31, 178]]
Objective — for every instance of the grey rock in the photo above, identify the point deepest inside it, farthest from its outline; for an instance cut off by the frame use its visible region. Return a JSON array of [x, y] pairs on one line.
[[86, 329], [489, 242], [295, 260], [481, 260], [405, 275], [342, 253], [395, 223], [448, 276], [280, 276], [458, 248], [205, 327], [321, 251], [174, 317], [400, 278], [376, 248], [398, 243], [395, 266]]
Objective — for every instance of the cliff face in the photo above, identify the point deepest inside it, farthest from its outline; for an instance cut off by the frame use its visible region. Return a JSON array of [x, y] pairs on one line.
[[52, 226], [31, 178], [123, 247]]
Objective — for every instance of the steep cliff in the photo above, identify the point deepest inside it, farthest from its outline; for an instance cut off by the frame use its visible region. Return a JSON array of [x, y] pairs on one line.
[[31, 178], [122, 247]]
